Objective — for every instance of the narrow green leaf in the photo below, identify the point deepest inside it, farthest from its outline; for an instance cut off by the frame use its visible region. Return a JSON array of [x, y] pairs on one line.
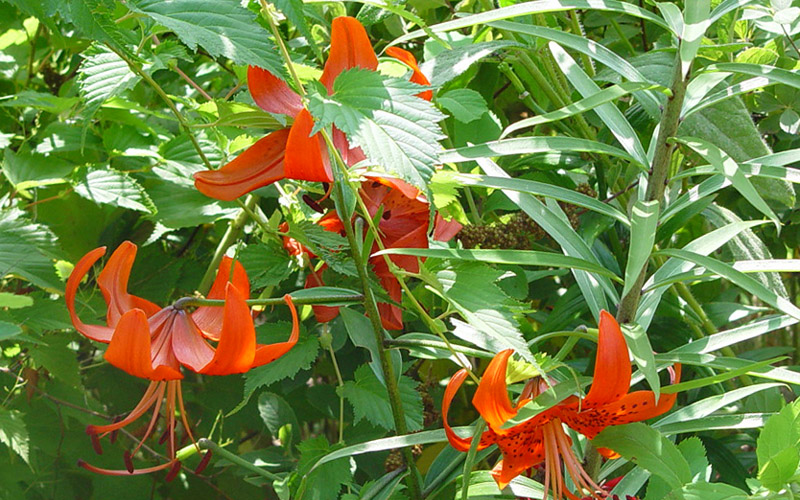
[[713, 491], [642, 351], [696, 22], [737, 278], [730, 169], [611, 115], [542, 189], [528, 145], [786, 77], [716, 422], [504, 256], [644, 220], [709, 405], [647, 448], [598, 98], [448, 64]]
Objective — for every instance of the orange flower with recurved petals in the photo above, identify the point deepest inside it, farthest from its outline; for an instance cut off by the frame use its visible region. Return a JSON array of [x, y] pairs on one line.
[[149, 342], [293, 153], [542, 438]]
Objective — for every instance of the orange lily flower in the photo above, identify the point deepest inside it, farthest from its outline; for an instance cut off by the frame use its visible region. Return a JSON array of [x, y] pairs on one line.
[[542, 438], [149, 342], [403, 224], [292, 153]]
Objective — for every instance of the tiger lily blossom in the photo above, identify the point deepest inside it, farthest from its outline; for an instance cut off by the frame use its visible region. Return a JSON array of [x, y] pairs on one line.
[[152, 343], [542, 438], [293, 153], [403, 224]]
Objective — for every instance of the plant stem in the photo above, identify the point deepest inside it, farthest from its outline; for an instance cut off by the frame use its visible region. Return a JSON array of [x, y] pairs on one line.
[[339, 380], [659, 171], [470, 459], [134, 66], [435, 344], [207, 444], [229, 238]]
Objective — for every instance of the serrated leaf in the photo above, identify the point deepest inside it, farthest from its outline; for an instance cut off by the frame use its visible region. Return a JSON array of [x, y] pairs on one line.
[[448, 64], [298, 358], [465, 105], [29, 170], [324, 481], [368, 397], [14, 433], [111, 187], [93, 19], [27, 249], [58, 358], [275, 413], [38, 100], [396, 129], [647, 448], [329, 246], [470, 287], [103, 75], [361, 333], [776, 449], [222, 28], [267, 264]]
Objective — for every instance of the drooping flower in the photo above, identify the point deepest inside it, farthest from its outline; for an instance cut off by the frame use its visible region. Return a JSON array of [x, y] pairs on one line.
[[542, 437], [403, 224], [291, 153], [150, 342]]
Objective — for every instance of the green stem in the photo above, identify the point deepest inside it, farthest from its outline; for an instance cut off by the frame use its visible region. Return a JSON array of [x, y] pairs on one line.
[[622, 36], [659, 171], [470, 459], [577, 29], [134, 66], [207, 444], [435, 344], [339, 380], [229, 238]]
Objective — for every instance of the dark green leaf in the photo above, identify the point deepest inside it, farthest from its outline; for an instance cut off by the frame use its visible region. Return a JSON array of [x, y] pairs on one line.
[[369, 400]]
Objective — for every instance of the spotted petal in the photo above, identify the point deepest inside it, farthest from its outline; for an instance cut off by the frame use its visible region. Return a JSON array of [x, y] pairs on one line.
[[612, 370]]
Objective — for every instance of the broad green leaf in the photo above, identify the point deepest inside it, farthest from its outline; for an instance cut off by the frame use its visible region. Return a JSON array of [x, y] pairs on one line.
[[368, 397], [448, 64], [470, 287], [267, 264], [603, 96], [294, 12], [738, 278], [58, 358], [359, 329], [726, 6], [777, 452], [93, 19], [29, 170], [482, 486], [504, 256], [26, 249], [644, 220], [324, 481], [223, 28], [647, 448], [465, 105], [528, 145], [180, 206], [713, 491], [103, 75], [276, 413], [730, 169], [594, 288], [115, 188], [396, 129], [14, 433], [300, 357], [542, 189], [611, 116], [38, 100], [9, 330]]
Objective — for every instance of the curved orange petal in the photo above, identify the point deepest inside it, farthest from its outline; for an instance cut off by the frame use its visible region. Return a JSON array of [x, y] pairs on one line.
[[520, 453], [113, 282], [95, 332], [271, 93], [187, 342], [269, 353], [612, 370], [350, 48], [209, 318], [456, 441], [609, 454], [417, 77], [259, 165], [237, 342], [306, 157], [491, 398], [129, 349], [445, 230]]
